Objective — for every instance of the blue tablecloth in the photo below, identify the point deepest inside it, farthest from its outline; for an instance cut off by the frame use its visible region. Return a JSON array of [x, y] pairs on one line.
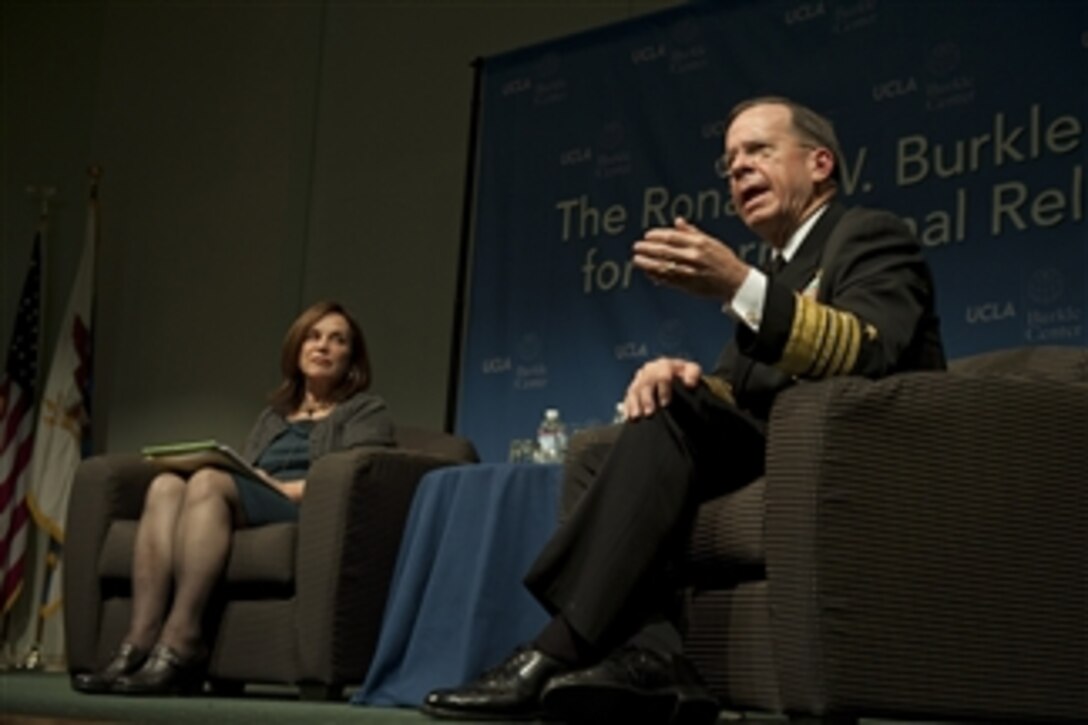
[[456, 604]]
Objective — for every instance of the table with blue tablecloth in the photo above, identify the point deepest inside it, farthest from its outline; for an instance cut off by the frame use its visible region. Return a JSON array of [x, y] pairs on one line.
[[456, 604]]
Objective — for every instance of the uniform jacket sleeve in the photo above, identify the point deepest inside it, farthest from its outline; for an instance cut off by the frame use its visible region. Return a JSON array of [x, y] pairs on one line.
[[868, 310]]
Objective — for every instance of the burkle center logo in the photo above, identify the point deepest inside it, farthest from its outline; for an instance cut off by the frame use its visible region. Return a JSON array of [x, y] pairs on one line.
[[1050, 317], [531, 373]]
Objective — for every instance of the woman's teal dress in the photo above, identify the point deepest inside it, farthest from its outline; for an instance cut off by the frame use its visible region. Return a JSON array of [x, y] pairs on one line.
[[287, 458]]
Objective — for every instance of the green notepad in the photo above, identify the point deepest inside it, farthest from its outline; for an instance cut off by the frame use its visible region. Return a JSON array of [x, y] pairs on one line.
[[189, 456]]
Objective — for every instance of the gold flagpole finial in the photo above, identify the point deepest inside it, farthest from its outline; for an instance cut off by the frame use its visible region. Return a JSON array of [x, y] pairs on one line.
[[95, 172]]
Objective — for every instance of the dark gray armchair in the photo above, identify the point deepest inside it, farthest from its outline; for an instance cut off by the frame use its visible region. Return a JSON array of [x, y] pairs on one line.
[[301, 604], [918, 547]]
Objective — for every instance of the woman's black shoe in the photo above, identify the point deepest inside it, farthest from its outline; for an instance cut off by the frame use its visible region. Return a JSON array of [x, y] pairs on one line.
[[165, 673], [128, 659]]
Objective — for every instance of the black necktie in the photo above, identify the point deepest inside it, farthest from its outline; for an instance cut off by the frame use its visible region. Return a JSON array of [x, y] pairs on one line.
[[775, 265]]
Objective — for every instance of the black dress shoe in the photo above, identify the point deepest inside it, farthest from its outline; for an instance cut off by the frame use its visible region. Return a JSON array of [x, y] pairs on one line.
[[632, 685], [165, 673], [510, 691], [126, 660]]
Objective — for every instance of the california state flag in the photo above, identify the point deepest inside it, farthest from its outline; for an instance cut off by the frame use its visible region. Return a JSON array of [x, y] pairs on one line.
[[63, 431]]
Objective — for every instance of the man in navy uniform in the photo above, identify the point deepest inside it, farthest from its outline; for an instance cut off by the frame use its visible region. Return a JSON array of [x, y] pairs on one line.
[[847, 292]]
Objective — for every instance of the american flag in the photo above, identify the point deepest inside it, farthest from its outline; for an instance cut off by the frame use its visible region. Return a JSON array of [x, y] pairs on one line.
[[17, 431]]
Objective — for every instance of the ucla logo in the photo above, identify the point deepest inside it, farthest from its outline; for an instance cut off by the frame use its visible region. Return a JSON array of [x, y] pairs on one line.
[[497, 365], [631, 351], [990, 312], [570, 157], [894, 88], [805, 13], [647, 53], [518, 85]]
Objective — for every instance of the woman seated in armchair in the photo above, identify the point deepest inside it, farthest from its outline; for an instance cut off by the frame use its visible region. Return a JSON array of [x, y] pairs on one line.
[[184, 534]]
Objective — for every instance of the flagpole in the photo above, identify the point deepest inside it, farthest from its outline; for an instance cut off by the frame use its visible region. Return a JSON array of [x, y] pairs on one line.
[[96, 403], [42, 194], [32, 660]]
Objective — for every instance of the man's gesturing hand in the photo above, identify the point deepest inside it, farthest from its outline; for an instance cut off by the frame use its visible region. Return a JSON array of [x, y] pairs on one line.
[[686, 257]]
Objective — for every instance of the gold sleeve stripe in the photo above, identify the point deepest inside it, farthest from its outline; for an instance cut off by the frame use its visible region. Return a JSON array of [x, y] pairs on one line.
[[825, 346], [808, 327], [720, 388], [852, 347], [834, 348], [848, 349], [823, 341]]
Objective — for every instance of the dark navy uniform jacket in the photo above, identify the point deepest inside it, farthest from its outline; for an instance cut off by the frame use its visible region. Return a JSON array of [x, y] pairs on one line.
[[857, 298]]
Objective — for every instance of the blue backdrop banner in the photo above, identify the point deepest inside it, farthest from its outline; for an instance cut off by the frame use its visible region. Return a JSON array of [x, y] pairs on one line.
[[966, 118]]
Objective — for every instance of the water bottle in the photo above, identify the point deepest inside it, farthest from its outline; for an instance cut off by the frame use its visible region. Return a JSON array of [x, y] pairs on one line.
[[551, 438]]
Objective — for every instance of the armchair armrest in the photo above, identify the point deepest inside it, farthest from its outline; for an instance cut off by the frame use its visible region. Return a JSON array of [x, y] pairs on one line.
[[926, 546], [105, 488], [351, 521]]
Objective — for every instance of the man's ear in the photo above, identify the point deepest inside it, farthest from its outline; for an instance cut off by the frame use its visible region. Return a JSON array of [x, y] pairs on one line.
[[823, 164]]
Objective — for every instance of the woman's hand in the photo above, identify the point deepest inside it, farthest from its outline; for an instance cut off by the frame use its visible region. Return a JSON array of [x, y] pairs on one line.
[[651, 387], [293, 490]]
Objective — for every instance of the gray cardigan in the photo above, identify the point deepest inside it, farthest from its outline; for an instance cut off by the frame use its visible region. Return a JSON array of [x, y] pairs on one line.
[[361, 420]]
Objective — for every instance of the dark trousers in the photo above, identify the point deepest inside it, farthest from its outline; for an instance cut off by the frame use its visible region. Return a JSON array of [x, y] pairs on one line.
[[612, 568]]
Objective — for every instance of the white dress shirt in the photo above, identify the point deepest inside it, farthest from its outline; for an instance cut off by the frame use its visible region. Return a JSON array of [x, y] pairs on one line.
[[747, 303]]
